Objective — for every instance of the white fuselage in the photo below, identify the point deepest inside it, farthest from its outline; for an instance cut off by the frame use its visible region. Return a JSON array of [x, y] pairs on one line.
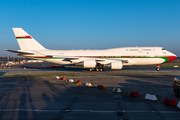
[[134, 55]]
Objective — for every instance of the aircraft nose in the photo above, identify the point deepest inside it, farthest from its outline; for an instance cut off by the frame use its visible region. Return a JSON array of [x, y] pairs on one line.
[[171, 58]]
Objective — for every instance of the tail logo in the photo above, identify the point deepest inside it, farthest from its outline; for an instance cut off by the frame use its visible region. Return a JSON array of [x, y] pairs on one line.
[[24, 37]]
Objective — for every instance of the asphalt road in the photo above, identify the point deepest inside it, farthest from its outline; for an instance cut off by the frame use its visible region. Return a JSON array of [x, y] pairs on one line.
[[53, 99]]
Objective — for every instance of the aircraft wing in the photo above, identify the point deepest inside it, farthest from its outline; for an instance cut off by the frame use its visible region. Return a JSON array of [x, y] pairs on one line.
[[66, 58], [110, 60], [81, 59], [69, 58]]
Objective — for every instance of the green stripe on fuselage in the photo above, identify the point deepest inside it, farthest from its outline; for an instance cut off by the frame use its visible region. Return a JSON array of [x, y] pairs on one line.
[[166, 59]]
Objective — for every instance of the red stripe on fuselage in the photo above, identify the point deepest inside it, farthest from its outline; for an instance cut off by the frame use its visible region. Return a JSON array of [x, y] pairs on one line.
[[171, 58]]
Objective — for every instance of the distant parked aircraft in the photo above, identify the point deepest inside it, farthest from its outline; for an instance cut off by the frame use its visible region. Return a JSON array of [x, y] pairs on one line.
[[92, 59]]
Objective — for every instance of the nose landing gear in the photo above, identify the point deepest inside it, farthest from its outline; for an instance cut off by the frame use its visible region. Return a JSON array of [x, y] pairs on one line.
[[158, 67]]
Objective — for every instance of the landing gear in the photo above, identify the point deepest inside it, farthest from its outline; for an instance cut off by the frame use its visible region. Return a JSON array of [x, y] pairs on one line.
[[99, 67], [96, 69], [158, 67]]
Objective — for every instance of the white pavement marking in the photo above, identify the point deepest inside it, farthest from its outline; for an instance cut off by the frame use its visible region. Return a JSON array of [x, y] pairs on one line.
[[143, 111], [124, 111]]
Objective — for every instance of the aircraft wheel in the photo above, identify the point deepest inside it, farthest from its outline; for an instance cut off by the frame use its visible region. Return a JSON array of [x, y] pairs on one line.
[[101, 69], [177, 95], [158, 68], [97, 69], [90, 69]]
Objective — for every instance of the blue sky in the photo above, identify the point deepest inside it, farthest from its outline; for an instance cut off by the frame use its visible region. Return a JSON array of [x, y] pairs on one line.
[[92, 24]]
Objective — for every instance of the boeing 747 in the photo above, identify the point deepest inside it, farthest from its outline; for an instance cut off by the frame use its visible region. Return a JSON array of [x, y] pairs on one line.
[[116, 58]]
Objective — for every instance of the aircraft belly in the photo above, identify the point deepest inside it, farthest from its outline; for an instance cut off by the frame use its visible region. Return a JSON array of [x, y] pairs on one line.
[[57, 61], [148, 61]]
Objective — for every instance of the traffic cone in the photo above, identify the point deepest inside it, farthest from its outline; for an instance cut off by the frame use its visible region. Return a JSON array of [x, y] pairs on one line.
[[57, 77], [134, 94], [88, 84], [116, 90], [150, 97], [63, 78], [178, 105], [170, 101], [101, 87], [78, 82], [71, 80]]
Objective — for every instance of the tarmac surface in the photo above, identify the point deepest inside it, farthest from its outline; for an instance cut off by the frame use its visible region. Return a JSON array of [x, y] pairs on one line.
[[53, 99]]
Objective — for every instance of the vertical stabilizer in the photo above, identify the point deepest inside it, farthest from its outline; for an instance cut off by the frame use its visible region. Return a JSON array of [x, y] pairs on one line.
[[25, 41]]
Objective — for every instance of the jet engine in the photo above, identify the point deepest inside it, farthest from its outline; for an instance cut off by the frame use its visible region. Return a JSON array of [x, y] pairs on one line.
[[116, 65], [89, 63]]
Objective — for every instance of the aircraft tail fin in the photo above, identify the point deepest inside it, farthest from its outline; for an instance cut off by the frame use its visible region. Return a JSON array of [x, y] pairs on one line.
[[25, 41]]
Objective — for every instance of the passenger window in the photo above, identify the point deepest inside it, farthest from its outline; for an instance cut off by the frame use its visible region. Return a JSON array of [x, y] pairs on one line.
[[133, 49], [146, 49]]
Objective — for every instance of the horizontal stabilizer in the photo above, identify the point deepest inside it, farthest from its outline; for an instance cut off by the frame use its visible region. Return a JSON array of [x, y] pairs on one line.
[[20, 52]]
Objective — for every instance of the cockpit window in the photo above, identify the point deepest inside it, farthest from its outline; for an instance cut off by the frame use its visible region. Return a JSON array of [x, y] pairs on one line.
[[163, 49]]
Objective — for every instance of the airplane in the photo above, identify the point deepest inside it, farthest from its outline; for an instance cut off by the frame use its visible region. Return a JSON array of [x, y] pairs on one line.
[[95, 60]]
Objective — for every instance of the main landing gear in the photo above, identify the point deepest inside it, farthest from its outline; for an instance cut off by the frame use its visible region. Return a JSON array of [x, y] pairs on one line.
[[158, 67], [99, 67]]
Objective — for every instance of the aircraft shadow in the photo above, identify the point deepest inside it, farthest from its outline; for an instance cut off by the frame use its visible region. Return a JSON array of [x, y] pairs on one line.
[[2, 73]]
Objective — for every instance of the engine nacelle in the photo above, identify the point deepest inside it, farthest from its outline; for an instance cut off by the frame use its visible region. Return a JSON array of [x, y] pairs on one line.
[[116, 65], [89, 63]]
